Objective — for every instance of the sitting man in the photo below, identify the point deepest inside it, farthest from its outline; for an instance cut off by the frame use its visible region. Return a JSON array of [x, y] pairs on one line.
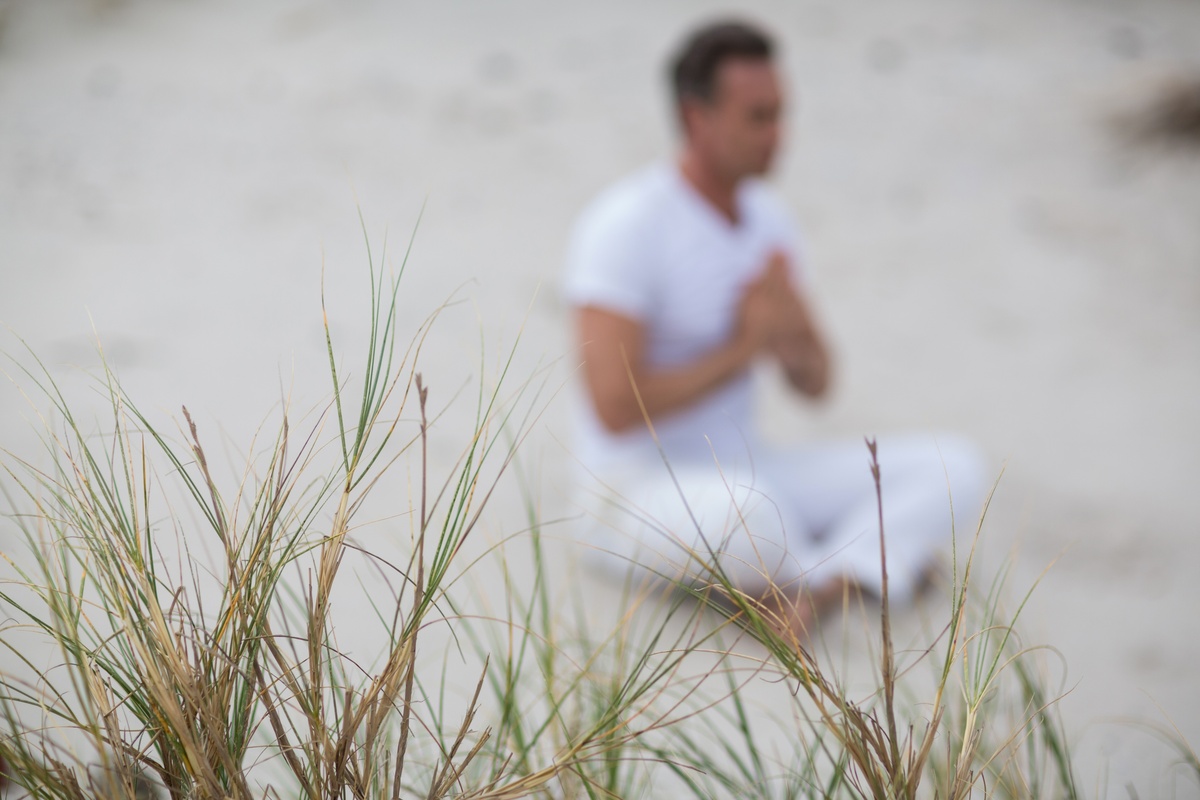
[[680, 277]]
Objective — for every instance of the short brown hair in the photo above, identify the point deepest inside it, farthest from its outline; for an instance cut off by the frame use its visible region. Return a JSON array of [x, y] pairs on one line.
[[694, 69]]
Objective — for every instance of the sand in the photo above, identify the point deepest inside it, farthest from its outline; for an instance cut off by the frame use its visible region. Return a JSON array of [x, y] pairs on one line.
[[992, 253]]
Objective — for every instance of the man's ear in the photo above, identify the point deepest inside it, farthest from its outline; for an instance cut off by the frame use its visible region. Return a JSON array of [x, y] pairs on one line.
[[691, 110]]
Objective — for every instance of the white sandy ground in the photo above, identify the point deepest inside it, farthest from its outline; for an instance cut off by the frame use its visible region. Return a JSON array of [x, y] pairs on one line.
[[990, 254]]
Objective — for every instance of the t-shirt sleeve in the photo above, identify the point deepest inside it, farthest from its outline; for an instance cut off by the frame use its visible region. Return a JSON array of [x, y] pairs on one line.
[[608, 262]]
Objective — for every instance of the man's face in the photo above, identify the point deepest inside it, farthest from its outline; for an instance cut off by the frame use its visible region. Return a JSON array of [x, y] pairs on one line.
[[738, 130]]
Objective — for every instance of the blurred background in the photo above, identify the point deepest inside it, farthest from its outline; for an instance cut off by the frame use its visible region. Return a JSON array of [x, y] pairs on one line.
[[1001, 204]]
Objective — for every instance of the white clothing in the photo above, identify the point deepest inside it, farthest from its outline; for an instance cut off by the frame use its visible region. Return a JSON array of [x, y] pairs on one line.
[[809, 514], [653, 249]]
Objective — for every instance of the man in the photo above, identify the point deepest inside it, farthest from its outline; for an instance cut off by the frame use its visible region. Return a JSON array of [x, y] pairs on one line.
[[680, 278]]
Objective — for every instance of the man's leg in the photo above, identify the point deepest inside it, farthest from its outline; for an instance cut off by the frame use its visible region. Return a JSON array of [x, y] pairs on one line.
[[681, 528], [831, 491]]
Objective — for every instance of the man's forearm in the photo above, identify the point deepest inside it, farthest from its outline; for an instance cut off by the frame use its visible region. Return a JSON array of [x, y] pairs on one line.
[[799, 347], [805, 361], [653, 392], [808, 375]]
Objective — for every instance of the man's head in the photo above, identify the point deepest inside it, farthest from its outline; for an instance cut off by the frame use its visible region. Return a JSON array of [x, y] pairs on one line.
[[729, 98]]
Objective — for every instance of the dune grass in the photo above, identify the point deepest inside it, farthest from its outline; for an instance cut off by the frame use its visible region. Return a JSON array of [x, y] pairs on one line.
[[173, 675], [157, 682], [983, 726]]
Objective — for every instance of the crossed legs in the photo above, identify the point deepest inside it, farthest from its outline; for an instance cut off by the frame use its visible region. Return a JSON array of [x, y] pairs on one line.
[[799, 526]]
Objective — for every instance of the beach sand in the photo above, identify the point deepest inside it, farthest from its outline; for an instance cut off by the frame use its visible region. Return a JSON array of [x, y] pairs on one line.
[[992, 251]]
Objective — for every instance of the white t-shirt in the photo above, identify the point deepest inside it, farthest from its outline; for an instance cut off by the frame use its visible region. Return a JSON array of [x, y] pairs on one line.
[[653, 249]]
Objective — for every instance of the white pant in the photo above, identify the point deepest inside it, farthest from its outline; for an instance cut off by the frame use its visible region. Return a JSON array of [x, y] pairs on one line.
[[808, 514]]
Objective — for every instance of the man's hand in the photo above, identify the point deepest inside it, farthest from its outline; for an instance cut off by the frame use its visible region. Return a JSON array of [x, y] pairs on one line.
[[774, 316], [759, 311]]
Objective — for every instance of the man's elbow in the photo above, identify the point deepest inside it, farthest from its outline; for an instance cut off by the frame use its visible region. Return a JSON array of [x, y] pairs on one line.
[[817, 391], [617, 416], [813, 384]]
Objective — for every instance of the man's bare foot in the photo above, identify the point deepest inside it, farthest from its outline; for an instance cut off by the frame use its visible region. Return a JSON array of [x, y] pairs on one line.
[[795, 612], [790, 613]]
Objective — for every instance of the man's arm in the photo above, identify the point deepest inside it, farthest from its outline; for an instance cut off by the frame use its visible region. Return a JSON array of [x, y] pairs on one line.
[[772, 317], [614, 362]]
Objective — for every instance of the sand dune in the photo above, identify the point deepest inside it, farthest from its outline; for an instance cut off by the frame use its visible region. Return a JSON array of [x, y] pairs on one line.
[[991, 249]]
